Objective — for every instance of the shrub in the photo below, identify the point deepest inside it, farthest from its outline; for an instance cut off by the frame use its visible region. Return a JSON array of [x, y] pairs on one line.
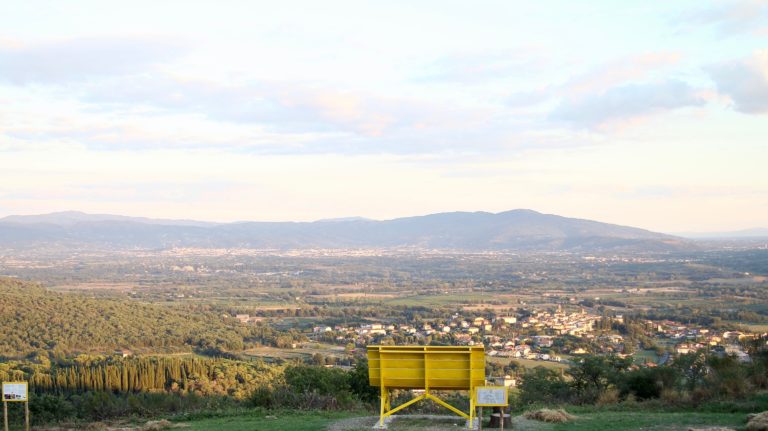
[[359, 383], [646, 383], [542, 385], [609, 397], [50, 408], [262, 397], [327, 381]]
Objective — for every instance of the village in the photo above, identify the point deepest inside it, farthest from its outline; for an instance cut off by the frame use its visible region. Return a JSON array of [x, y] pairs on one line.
[[548, 336]]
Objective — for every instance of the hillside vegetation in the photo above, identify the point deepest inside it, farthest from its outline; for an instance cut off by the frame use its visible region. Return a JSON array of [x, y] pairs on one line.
[[35, 319]]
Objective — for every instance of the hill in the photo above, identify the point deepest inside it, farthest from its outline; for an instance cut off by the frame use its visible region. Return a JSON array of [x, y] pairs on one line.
[[36, 319], [744, 234], [522, 230]]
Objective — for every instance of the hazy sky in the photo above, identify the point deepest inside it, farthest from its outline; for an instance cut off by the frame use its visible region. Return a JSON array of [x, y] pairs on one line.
[[648, 113]]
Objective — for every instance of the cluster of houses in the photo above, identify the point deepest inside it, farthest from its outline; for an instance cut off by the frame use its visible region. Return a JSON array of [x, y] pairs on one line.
[[680, 332], [692, 339], [532, 336], [522, 348], [481, 330], [562, 323], [509, 336], [462, 329]]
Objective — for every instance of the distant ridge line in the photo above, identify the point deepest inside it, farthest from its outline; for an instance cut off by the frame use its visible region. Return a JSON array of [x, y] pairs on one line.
[[520, 229]]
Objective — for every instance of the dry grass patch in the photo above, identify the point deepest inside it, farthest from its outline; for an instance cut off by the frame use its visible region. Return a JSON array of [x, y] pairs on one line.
[[758, 422], [549, 415], [161, 425]]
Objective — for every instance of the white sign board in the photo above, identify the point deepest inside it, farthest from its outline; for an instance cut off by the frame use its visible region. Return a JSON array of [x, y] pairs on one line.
[[491, 396], [14, 391]]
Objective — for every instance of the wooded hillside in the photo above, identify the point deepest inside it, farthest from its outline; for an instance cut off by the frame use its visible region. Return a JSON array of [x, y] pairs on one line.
[[35, 319]]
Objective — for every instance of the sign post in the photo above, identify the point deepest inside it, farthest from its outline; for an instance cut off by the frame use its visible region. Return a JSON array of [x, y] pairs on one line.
[[15, 392], [492, 396]]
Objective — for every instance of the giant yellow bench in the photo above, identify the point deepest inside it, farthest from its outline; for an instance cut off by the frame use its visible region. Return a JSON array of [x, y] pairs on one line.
[[459, 368]]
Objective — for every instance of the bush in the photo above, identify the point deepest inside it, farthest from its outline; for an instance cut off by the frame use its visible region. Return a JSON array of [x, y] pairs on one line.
[[646, 383], [262, 397], [50, 408], [316, 387], [359, 383], [592, 375], [728, 376], [326, 381], [609, 397], [544, 386]]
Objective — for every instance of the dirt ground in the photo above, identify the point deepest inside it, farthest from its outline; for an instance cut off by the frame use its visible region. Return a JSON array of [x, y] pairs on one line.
[[425, 423]]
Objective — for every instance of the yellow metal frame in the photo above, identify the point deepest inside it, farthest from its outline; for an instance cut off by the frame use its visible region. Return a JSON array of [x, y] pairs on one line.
[[459, 368], [26, 385]]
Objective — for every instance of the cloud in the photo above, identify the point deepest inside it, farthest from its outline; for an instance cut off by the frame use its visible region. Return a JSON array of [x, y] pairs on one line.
[[599, 79], [745, 82], [142, 112], [523, 99], [278, 106], [481, 67], [729, 17], [627, 102], [620, 71], [687, 191], [80, 59]]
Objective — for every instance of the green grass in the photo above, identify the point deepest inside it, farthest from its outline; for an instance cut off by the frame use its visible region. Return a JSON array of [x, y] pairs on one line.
[[608, 421], [303, 352], [586, 421], [642, 356], [529, 363], [654, 415], [260, 421], [617, 421], [754, 327], [442, 299]]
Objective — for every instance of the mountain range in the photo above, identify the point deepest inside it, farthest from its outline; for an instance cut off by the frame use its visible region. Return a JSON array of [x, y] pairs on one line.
[[745, 233], [522, 230]]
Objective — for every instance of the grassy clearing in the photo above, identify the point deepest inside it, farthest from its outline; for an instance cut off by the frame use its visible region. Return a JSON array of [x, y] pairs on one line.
[[303, 352], [529, 363], [259, 421], [441, 299], [643, 356], [585, 421], [617, 421], [751, 326]]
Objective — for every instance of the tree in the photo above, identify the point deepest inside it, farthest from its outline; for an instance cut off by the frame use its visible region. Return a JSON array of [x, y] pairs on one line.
[[692, 367], [645, 383], [360, 384], [544, 385], [594, 374], [318, 359]]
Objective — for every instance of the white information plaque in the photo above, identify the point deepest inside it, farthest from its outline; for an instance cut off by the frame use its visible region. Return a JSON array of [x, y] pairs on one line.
[[14, 391], [491, 396]]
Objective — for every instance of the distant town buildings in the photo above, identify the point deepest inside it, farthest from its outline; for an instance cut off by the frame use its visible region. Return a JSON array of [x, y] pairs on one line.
[[536, 335]]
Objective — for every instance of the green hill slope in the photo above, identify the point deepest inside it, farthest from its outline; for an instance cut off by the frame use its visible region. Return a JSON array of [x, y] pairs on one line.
[[35, 319]]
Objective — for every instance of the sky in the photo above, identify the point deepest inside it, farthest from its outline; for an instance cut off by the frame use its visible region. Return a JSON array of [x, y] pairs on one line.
[[651, 114]]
